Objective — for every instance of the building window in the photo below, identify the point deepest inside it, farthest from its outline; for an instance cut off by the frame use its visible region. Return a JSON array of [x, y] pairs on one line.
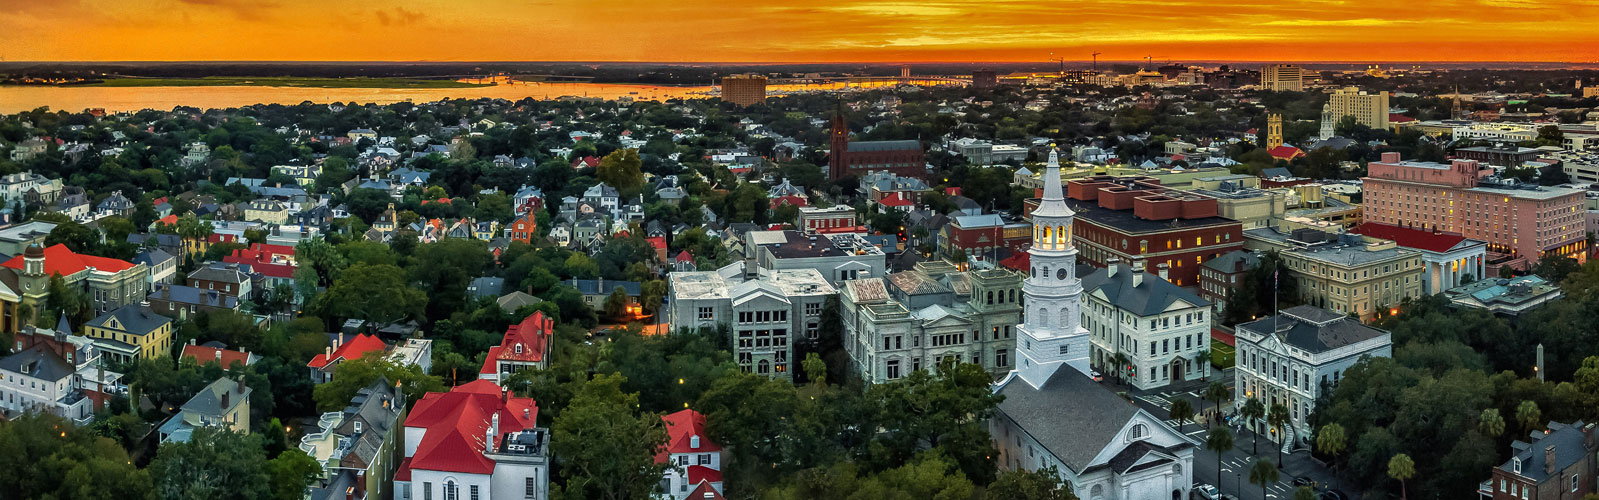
[[473, 491], [427, 490], [893, 369], [706, 314], [1002, 357]]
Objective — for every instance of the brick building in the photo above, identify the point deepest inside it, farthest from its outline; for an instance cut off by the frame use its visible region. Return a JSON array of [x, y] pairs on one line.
[[1135, 218], [1520, 223], [1557, 463], [980, 235], [856, 158]]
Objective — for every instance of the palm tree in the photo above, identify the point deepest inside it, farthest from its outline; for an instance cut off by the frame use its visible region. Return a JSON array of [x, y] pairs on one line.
[[1304, 493], [1263, 473], [1181, 411], [1401, 467], [1217, 393], [1331, 441], [1529, 415], [1203, 358], [1119, 365], [1253, 410], [1277, 417], [1220, 440], [1490, 423]]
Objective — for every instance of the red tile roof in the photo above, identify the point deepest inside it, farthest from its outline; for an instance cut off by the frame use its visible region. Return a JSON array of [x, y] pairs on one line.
[[532, 334], [895, 200], [684, 256], [275, 261], [1285, 152], [58, 259], [681, 427], [202, 355], [1018, 261], [355, 348], [1398, 118], [1410, 238], [456, 422]]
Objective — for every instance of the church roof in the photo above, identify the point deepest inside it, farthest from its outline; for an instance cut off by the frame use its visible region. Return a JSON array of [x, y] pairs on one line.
[[1071, 415]]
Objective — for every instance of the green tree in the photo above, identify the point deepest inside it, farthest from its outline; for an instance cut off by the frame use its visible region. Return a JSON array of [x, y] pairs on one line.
[[1262, 474], [46, 456], [929, 409], [291, 472], [1529, 416], [65, 300], [377, 293], [213, 464], [350, 376], [616, 304], [1041, 484], [1331, 441], [1181, 411], [1220, 440], [1252, 411], [1277, 418], [1217, 393], [78, 237], [1304, 493], [607, 449], [1401, 468], [1490, 424], [653, 295], [623, 170]]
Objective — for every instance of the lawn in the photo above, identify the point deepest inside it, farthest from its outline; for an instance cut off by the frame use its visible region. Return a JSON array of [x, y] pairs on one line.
[[1221, 355], [360, 82]]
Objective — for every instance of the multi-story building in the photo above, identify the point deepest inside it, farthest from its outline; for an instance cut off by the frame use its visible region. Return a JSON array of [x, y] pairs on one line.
[[180, 302], [358, 447], [1136, 218], [1054, 416], [692, 458], [17, 186], [525, 345], [15, 239], [1520, 223], [1505, 296], [226, 278], [1369, 109], [39, 379], [766, 312], [837, 257], [131, 332], [1344, 272], [1500, 156], [1292, 357], [1159, 329], [1223, 275], [914, 319], [744, 90], [981, 235], [224, 404], [834, 219], [1282, 77], [110, 283], [476, 441], [1553, 464], [847, 158], [1450, 259], [322, 366]]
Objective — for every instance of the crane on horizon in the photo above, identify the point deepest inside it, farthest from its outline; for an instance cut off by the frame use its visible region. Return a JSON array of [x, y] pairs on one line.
[[1096, 61], [1060, 60]]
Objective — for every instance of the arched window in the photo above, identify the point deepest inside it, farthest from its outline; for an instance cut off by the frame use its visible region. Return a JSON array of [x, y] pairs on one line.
[[1035, 271], [1064, 318], [1013, 295], [764, 367], [1139, 431], [1043, 317], [991, 297]]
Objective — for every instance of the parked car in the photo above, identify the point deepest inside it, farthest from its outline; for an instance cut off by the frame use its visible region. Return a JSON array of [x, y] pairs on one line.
[[1203, 491], [1304, 481], [1098, 377]]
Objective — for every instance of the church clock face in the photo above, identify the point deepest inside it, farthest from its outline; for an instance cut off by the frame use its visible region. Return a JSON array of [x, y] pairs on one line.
[[1061, 274]]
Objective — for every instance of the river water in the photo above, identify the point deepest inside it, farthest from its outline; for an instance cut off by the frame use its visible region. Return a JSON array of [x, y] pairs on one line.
[[14, 99]]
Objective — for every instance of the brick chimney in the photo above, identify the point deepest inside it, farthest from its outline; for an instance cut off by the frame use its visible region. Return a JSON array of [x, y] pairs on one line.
[[1549, 460]]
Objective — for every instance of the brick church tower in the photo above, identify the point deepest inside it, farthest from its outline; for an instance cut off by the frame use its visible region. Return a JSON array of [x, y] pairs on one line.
[[837, 166]]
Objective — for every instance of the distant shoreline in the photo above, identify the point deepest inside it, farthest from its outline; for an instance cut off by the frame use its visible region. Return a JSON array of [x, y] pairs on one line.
[[293, 82]]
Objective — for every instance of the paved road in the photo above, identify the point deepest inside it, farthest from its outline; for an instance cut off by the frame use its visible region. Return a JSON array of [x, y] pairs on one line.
[[1234, 464]]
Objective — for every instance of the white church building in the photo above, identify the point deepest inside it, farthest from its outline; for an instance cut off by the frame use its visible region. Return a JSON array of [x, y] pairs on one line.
[[1054, 414]]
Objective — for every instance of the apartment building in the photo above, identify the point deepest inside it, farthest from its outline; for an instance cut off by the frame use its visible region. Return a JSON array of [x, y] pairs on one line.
[[912, 320], [766, 311]]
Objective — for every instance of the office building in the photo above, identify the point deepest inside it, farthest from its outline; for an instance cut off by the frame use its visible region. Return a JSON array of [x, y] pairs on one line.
[[1345, 273], [1521, 223], [1222, 276], [1291, 357], [1282, 77], [1159, 328], [1369, 109], [913, 320], [766, 312], [744, 90], [984, 79]]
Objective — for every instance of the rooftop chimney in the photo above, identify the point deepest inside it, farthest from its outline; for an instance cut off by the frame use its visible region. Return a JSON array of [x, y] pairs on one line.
[[1549, 460], [1162, 270], [1138, 272], [494, 428], [1111, 264]]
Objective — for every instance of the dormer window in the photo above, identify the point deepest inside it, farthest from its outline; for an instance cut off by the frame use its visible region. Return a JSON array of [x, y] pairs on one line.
[[694, 442], [1139, 431], [519, 348], [1515, 465], [357, 427]]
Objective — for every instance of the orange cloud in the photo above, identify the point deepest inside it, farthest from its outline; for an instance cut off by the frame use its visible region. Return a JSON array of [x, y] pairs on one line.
[[797, 31]]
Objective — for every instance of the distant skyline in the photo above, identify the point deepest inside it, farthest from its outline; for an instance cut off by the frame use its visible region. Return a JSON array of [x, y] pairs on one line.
[[798, 31]]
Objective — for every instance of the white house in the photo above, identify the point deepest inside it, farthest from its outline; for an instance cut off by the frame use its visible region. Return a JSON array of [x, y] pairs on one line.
[[1160, 328], [473, 442], [692, 457], [1291, 357]]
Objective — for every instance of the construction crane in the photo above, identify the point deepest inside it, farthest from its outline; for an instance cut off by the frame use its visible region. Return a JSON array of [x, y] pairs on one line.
[[1149, 61], [1096, 61], [1060, 60]]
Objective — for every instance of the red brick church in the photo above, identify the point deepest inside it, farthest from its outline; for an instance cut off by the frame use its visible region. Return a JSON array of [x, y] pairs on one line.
[[903, 158]]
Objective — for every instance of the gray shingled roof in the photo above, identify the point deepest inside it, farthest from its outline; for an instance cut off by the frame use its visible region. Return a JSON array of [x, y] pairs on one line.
[[1150, 297], [209, 400], [134, 318], [1071, 415], [1228, 261], [38, 362], [1569, 448], [1314, 329]]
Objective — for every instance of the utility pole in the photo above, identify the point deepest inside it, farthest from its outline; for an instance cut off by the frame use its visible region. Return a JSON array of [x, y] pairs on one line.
[[1096, 61]]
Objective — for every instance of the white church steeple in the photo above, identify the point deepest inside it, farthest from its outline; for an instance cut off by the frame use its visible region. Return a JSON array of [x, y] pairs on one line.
[[1052, 334]]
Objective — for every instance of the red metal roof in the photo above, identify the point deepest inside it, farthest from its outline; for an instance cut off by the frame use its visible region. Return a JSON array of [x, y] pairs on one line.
[[1410, 238], [532, 334], [1398, 118], [895, 200], [225, 357], [404, 472], [276, 261], [701, 474], [455, 423], [58, 259], [354, 349], [684, 256], [1018, 261], [1285, 152], [681, 427]]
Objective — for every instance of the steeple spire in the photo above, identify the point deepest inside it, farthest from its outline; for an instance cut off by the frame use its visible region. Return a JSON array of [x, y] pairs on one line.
[[1052, 334]]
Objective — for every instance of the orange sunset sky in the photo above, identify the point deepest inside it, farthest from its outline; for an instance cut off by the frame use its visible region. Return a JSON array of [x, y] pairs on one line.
[[798, 30]]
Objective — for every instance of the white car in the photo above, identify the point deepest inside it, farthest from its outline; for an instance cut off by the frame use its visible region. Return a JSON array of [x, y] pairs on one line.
[[1204, 491]]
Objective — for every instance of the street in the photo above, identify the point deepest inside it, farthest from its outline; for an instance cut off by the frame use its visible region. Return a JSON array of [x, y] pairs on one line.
[[1234, 464]]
